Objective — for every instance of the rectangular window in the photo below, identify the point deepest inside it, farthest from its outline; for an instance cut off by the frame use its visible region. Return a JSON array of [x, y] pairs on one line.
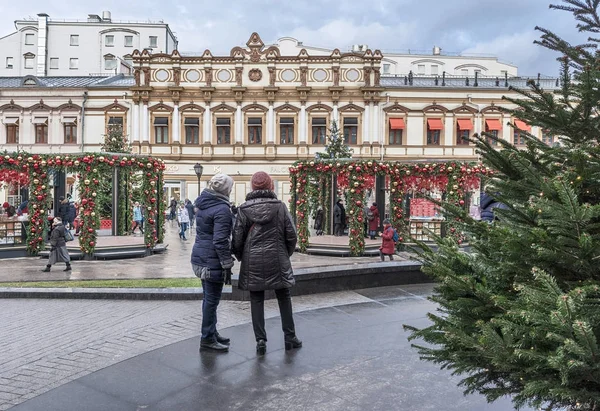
[[421, 69], [386, 69], [41, 133], [109, 41], [161, 130], [223, 130], [286, 130], [518, 138], [54, 63], [153, 42], [10, 62], [319, 130], [434, 69], [73, 64], [351, 130], [396, 137], [464, 72], [12, 133], [29, 39], [70, 133], [434, 131], [462, 137], [254, 130], [74, 40], [192, 130], [547, 138], [128, 41], [110, 63], [115, 121], [29, 62], [493, 133]]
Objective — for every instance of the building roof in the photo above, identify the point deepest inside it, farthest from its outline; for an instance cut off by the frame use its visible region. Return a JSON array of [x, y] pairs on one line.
[[419, 81], [119, 80]]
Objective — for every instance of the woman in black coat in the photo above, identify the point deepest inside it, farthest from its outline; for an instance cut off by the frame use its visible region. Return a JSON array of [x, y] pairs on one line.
[[264, 238]]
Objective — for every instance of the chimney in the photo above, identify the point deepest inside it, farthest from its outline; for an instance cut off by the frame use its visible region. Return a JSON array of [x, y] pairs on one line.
[[437, 51], [106, 16], [42, 46]]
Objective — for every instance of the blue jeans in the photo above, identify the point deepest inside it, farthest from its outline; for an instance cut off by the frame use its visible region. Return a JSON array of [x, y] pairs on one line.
[[183, 230], [212, 297]]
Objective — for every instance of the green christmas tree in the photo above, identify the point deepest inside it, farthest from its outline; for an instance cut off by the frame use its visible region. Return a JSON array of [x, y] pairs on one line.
[[519, 315], [336, 145], [115, 140]]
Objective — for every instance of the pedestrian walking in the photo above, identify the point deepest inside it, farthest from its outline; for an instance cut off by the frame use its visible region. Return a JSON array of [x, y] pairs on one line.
[[211, 255], [58, 243], [339, 218], [388, 245], [373, 218], [191, 212], [319, 221], [264, 238], [183, 219], [172, 209], [63, 210], [137, 218]]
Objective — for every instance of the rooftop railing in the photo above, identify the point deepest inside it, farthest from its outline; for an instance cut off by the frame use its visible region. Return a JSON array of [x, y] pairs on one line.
[[457, 81]]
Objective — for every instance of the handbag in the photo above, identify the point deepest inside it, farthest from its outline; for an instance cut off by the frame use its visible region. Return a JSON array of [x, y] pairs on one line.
[[69, 235]]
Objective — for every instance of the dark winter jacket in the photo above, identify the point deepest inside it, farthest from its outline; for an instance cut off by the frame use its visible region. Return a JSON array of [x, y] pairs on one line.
[[190, 209], [487, 204], [264, 238], [63, 211], [339, 214], [72, 213], [212, 248], [319, 220], [57, 237]]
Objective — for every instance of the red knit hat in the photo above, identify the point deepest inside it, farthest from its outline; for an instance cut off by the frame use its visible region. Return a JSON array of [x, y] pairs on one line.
[[261, 181], [5, 205]]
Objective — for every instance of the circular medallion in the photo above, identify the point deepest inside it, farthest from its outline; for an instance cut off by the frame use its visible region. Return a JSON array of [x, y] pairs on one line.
[[192, 76], [162, 75], [255, 75], [224, 75], [352, 75], [319, 75], [288, 75]]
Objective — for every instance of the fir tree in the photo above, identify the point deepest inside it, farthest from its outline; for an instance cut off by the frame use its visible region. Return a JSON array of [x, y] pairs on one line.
[[520, 314], [336, 145], [115, 141]]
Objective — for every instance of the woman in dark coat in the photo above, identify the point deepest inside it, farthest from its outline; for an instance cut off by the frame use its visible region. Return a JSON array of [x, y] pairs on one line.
[[264, 238], [58, 242], [374, 221], [339, 219], [319, 221], [211, 255]]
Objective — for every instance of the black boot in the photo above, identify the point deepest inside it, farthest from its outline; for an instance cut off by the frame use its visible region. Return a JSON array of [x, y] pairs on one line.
[[47, 269], [293, 343], [261, 347], [213, 346], [68, 268], [222, 340]]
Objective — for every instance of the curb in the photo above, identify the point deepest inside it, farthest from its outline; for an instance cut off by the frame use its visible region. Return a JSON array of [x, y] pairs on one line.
[[175, 294]]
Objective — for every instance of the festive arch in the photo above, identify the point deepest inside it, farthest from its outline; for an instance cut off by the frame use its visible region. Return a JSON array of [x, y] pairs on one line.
[[357, 176], [90, 169]]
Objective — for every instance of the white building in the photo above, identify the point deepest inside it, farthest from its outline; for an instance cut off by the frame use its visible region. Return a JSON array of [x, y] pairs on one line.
[[97, 45], [417, 61]]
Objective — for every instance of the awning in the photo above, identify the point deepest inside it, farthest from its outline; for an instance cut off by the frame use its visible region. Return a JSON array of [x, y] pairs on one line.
[[40, 120], [435, 124], [397, 124], [69, 120], [493, 125], [520, 124], [464, 124], [11, 120]]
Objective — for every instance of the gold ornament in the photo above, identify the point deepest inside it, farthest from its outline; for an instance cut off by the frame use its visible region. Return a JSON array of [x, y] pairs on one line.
[[352, 191], [450, 169], [393, 190], [43, 163], [76, 162], [356, 184], [86, 182], [43, 187], [36, 181], [455, 187], [93, 214]]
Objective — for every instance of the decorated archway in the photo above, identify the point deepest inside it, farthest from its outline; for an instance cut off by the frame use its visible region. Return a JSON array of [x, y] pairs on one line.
[[90, 168], [310, 185]]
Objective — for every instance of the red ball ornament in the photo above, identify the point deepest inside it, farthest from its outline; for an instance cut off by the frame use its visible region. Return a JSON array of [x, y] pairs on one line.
[[461, 202], [90, 230], [92, 243], [40, 198], [84, 201]]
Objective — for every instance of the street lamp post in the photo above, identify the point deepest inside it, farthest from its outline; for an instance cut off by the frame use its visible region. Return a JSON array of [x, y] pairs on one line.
[[198, 169]]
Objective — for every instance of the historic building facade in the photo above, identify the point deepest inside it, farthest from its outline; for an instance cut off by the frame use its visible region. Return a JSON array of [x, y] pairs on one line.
[[260, 109]]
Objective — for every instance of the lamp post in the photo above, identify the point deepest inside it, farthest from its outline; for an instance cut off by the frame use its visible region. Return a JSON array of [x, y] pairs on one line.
[[198, 169]]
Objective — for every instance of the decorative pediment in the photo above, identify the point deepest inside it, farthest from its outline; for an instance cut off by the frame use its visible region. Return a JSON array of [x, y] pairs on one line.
[[336, 53], [223, 108], [40, 106], [435, 108], [319, 107], [136, 53], [191, 107], [464, 109], [255, 107], [303, 54], [11, 106], [237, 52], [109, 56], [207, 54], [160, 107], [255, 41], [255, 53], [115, 106], [351, 108], [145, 53], [29, 54], [175, 54], [368, 53], [377, 54], [287, 108], [396, 108], [68, 106], [491, 109]]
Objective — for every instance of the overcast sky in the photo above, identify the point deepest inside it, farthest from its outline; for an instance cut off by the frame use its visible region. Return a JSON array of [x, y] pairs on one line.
[[504, 28]]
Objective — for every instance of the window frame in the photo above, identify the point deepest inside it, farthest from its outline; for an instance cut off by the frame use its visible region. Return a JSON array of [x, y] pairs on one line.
[[155, 45], [74, 40], [113, 61], [224, 129], [319, 126], [41, 129], [110, 43], [12, 137], [125, 41], [119, 115], [30, 36], [286, 130], [518, 138], [350, 126], [392, 135], [192, 127], [73, 66], [71, 136], [431, 136], [161, 130], [10, 63], [547, 140], [29, 59], [55, 59], [255, 131]]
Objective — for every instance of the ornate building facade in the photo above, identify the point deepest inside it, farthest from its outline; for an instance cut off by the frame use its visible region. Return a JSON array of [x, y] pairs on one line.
[[259, 109]]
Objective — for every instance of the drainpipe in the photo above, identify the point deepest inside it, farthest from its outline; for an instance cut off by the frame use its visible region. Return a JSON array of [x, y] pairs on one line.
[[384, 125], [85, 97]]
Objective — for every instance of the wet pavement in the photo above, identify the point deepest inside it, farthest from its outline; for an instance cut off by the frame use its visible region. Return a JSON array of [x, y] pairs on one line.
[[355, 357], [175, 263]]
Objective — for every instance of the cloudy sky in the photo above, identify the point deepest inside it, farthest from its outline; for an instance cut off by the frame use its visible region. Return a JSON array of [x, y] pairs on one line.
[[504, 28]]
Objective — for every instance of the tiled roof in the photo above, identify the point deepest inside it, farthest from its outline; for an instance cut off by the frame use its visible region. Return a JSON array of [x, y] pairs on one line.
[[68, 82], [465, 82]]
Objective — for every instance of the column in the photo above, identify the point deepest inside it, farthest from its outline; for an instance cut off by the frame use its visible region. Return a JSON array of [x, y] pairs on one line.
[[478, 124], [239, 125], [207, 130], [302, 126], [335, 113], [145, 123], [136, 123], [375, 137], [449, 131], [176, 123], [367, 137], [270, 125]]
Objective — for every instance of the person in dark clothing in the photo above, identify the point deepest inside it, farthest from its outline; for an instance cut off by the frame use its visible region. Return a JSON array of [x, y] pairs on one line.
[[319, 221], [339, 218], [63, 210], [264, 238], [58, 242], [373, 218], [211, 255], [9, 209], [71, 214], [172, 209], [487, 204], [23, 208], [191, 213]]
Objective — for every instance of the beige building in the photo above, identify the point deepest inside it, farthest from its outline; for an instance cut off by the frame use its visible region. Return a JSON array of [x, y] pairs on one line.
[[259, 108]]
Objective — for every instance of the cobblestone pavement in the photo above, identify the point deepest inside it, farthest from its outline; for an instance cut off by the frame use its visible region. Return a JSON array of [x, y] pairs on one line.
[[173, 263], [47, 343]]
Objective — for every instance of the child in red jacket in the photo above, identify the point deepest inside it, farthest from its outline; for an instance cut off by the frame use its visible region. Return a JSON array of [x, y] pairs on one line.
[[388, 247]]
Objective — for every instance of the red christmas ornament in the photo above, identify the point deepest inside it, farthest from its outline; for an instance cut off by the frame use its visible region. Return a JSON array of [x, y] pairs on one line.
[[90, 230], [92, 243]]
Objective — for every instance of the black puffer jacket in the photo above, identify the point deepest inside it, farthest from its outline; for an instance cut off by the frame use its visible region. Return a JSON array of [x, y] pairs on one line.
[[57, 236], [264, 238]]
